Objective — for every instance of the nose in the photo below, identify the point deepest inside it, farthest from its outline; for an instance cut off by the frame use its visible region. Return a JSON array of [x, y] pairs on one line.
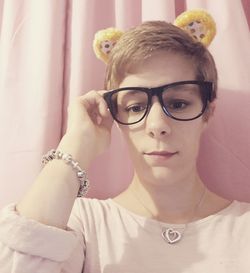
[[157, 122]]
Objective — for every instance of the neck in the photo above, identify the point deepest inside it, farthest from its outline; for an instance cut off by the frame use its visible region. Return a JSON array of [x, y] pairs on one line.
[[173, 202]]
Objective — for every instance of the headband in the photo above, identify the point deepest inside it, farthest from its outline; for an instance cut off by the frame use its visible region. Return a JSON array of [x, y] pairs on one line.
[[197, 23]]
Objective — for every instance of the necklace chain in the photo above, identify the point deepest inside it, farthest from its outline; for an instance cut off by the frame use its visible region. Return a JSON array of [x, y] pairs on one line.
[[169, 234]]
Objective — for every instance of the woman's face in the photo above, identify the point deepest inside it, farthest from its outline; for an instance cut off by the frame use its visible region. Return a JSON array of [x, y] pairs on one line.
[[158, 132]]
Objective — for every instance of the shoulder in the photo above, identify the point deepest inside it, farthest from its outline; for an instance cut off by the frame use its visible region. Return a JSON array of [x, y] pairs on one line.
[[92, 204], [98, 211], [238, 213], [240, 207], [92, 209]]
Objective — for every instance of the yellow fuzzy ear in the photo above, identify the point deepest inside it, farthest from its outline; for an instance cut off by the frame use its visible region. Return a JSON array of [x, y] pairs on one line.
[[199, 24], [104, 42]]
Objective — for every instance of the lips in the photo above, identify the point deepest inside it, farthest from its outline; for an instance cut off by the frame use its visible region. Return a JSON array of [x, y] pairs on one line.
[[161, 153], [156, 158]]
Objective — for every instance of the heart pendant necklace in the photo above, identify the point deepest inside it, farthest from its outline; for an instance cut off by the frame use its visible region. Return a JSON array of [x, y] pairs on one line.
[[169, 234]]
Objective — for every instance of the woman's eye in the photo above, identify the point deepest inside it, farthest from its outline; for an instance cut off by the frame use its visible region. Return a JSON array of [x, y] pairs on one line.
[[178, 105], [135, 108]]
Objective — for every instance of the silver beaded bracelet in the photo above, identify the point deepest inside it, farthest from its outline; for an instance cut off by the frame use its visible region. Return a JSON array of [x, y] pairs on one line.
[[81, 174]]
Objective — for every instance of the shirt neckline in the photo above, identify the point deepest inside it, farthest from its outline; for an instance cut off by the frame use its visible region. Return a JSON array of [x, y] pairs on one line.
[[154, 221]]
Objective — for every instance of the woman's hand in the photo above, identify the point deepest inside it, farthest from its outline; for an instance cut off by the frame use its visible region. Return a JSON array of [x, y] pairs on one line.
[[90, 122]]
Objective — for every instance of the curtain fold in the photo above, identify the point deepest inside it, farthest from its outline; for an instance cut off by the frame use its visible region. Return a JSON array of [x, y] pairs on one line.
[[31, 80], [46, 59]]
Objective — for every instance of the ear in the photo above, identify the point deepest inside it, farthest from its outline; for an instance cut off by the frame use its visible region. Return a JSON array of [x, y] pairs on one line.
[[211, 109], [209, 113]]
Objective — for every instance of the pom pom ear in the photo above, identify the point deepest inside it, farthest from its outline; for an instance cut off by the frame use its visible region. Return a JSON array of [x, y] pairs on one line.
[[199, 24], [104, 42]]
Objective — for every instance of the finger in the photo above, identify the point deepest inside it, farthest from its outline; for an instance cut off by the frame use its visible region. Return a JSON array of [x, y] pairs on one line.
[[103, 108], [94, 103], [98, 100]]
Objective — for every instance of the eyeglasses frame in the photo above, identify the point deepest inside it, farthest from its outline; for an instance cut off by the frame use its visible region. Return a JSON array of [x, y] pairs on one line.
[[206, 86]]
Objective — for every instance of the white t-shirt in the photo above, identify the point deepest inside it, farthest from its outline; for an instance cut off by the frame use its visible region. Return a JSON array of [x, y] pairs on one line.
[[110, 239]]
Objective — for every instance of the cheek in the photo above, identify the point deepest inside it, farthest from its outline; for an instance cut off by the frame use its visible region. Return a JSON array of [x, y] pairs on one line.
[[190, 140], [132, 141]]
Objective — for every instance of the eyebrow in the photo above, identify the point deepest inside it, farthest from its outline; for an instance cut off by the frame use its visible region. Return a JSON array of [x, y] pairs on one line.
[[127, 93], [131, 90]]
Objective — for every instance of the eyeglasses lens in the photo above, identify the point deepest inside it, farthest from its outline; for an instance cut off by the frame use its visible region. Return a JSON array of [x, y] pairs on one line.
[[183, 101]]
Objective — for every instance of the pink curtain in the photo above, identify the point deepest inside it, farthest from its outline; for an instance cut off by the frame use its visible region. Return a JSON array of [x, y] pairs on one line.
[[46, 59]]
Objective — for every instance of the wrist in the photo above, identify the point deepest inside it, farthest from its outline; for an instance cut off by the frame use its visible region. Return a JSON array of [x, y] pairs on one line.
[[76, 145], [68, 159]]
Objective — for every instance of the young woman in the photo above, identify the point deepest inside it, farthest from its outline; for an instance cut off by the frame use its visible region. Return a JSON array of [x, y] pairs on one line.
[[160, 89]]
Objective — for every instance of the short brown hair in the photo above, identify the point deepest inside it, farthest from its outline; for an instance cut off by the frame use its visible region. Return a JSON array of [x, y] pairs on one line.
[[139, 43]]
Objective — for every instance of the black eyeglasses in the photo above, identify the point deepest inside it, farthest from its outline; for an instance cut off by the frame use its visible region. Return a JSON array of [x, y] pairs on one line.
[[184, 101]]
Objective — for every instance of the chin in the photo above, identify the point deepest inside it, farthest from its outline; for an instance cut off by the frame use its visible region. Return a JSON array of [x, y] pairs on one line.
[[160, 175]]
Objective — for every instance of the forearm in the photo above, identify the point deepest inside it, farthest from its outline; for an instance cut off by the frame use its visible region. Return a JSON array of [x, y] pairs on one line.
[[51, 197]]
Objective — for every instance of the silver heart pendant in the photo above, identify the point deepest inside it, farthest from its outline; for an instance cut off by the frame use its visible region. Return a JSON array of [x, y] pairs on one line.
[[171, 236]]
